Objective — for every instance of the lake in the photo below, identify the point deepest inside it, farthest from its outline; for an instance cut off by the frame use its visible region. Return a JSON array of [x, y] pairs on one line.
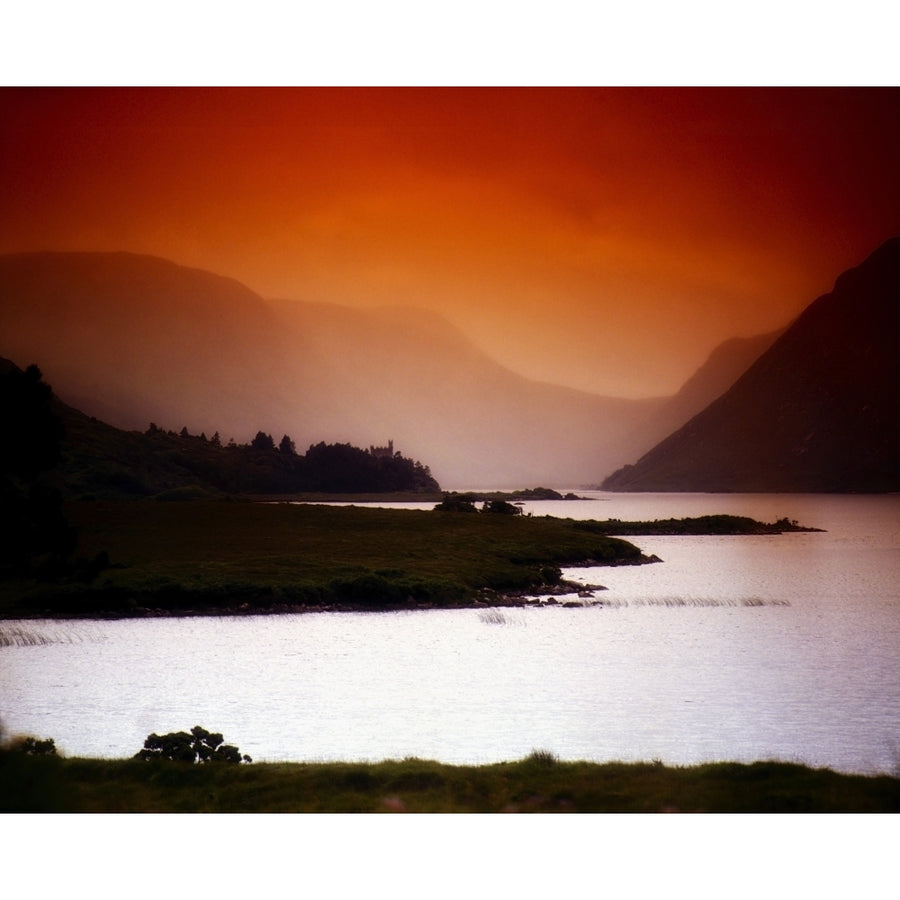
[[733, 648]]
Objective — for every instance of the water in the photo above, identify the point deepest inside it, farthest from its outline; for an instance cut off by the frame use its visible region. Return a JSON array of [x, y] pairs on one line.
[[737, 648]]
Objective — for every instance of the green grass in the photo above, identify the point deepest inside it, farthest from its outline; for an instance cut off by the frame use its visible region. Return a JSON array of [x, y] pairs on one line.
[[538, 783], [242, 556]]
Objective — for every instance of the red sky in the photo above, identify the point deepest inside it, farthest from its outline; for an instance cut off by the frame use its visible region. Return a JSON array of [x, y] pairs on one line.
[[605, 239]]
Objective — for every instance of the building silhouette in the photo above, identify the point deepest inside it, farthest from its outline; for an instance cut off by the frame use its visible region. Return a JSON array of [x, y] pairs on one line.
[[383, 452]]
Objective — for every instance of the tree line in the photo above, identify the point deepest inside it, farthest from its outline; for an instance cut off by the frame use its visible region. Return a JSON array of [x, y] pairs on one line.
[[264, 467], [43, 460]]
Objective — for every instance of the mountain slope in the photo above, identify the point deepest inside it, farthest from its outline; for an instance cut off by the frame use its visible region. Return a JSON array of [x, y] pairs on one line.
[[134, 339], [818, 411], [722, 368]]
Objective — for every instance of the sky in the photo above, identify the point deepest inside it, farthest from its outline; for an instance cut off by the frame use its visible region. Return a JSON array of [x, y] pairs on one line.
[[602, 238]]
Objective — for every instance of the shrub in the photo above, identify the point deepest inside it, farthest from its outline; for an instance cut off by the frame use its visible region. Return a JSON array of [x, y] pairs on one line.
[[501, 507], [199, 746], [456, 504], [542, 758], [33, 746]]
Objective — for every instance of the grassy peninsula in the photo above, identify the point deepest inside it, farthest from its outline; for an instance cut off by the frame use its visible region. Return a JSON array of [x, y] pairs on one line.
[[138, 558], [539, 783], [144, 557]]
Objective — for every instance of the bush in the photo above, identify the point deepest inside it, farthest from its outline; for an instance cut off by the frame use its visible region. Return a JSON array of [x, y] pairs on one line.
[[199, 746], [544, 759], [456, 504], [501, 507], [32, 746]]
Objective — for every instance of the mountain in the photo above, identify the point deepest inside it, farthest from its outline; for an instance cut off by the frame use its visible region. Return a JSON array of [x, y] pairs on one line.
[[719, 372], [722, 368], [133, 339], [818, 411]]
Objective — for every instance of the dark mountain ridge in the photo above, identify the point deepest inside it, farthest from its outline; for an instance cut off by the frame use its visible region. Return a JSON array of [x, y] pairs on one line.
[[819, 411]]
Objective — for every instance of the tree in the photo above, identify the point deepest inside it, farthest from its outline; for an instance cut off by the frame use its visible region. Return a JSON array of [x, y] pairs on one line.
[[262, 441], [287, 446], [501, 507], [32, 431], [32, 524], [200, 746], [457, 503], [33, 746]]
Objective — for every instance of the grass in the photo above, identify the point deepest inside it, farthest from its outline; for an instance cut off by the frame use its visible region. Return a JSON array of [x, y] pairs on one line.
[[240, 556], [699, 525], [539, 783]]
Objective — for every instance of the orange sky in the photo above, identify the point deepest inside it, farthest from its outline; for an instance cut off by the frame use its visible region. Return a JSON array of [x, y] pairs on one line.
[[606, 239]]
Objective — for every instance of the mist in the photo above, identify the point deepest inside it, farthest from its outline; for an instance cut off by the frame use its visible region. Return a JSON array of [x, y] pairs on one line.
[[134, 340]]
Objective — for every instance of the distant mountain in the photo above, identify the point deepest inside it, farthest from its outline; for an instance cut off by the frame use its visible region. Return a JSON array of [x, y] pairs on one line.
[[134, 339], [818, 411]]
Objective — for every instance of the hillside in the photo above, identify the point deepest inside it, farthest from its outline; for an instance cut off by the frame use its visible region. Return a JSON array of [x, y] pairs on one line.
[[133, 340], [818, 411], [88, 459], [721, 369]]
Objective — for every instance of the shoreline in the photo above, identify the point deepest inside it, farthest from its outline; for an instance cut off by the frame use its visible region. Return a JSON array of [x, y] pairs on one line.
[[210, 559], [486, 598]]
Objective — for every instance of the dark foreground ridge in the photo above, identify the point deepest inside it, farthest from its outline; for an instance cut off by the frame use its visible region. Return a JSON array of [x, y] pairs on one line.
[[539, 783], [818, 412], [143, 558]]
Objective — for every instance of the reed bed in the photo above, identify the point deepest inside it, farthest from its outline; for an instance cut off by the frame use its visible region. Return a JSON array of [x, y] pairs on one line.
[[499, 617], [17, 636], [698, 602]]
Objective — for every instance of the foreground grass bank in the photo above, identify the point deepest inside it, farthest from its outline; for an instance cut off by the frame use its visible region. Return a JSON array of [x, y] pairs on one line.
[[237, 556], [538, 783]]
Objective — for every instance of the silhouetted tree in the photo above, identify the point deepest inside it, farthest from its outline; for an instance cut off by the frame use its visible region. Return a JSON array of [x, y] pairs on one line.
[[457, 503], [32, 523], [184, 432], [33, 746], [32, 431], [501, 507], [199, 746], [215, 440], [262, 441], [287, 446]]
